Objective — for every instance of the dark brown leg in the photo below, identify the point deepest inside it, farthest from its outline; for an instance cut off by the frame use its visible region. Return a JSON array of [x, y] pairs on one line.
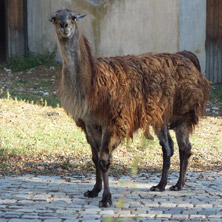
[[171, 143], [94, 135], [104, 162], [182, 135], [107, 197], [167, 147], [98, 185]]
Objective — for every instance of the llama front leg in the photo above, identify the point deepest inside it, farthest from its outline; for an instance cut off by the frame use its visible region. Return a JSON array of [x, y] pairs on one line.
[[93, 136], [98, 185], [104, 163]]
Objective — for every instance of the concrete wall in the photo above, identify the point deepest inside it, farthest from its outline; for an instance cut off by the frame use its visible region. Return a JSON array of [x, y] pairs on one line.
[[41, 33], [192, 28], [121, 27], [133, 27], [113, 27]]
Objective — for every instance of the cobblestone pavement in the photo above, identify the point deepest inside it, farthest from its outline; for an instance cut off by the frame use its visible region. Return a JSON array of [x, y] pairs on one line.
[[55, 199]]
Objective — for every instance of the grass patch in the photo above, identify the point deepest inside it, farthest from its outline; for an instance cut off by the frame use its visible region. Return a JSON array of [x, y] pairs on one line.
[[216, 93], [42, 139], [34, 85], [23, 63]]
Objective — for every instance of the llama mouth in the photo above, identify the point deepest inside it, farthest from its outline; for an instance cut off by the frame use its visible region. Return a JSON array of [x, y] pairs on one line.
[[65, 33]]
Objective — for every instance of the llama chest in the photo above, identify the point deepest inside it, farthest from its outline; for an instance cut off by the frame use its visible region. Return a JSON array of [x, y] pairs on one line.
[[74, 103]]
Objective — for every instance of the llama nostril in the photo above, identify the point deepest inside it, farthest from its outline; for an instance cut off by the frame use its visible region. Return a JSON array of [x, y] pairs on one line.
[[64, 25]]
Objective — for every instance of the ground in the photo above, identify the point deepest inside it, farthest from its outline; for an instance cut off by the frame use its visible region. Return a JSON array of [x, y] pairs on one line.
[[45, 163]]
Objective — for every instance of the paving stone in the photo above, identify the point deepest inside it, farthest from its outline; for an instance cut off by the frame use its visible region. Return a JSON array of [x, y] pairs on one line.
[[174, 211], [9, 215], [186, 205], [71, 220], [197, 216], [180, 216], [215, 217], [23, 220], [30, 217], [53, 220], [164, 216]]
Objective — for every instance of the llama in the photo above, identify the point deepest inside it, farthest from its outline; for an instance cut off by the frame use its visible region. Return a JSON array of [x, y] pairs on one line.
[[111, 98]]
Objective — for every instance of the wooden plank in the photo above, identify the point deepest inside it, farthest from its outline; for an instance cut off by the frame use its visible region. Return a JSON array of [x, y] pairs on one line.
[[215, 56], [208, 60], [220, 62], [219, 74], [211, 55], [210, 18], [15, 28], [214, 41]]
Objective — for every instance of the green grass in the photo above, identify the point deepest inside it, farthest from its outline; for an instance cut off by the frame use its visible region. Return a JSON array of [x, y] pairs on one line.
[[216, 93], [23, 63], [30, 84]]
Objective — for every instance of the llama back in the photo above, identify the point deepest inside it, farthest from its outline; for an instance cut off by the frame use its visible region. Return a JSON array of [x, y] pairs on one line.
[[141, 91]]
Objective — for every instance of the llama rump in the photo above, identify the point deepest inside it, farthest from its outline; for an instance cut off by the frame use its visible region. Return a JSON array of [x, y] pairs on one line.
[[111, 98]]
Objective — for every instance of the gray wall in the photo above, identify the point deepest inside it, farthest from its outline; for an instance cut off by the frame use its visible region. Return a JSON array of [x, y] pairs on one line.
[[192, 32], [121, 27]]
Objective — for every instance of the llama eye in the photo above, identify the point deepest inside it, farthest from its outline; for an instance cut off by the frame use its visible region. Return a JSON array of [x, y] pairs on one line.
[[73, 18], [53, 19]]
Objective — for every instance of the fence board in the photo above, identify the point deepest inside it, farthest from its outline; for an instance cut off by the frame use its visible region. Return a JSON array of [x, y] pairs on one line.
[[15, 22], [214, 41]]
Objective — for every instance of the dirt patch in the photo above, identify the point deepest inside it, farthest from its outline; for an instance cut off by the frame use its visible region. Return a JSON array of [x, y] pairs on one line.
[[36, 81]]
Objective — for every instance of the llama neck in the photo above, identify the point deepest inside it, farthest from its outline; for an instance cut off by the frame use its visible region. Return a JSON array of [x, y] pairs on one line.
[[76, 62], [76, 80]]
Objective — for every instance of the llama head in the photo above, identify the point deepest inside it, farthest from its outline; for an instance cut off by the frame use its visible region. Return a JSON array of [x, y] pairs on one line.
[[65, 22]]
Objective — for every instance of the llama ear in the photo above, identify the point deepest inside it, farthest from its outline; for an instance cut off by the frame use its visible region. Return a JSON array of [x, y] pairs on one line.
[[80, 17], [53, 19]]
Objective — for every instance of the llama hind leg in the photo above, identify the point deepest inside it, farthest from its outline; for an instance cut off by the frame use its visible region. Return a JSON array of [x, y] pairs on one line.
[[167, 147], [182, 135]]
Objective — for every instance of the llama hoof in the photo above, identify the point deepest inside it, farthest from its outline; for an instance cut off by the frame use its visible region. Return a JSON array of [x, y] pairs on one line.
[[176, 188], [91, 194], [105, 203], [157, 188]]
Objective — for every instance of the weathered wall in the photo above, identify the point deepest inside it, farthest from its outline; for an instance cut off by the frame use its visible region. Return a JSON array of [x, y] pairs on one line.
[[41, 32], [113, 27], [120, 27], [133, 27], [192, 28]]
